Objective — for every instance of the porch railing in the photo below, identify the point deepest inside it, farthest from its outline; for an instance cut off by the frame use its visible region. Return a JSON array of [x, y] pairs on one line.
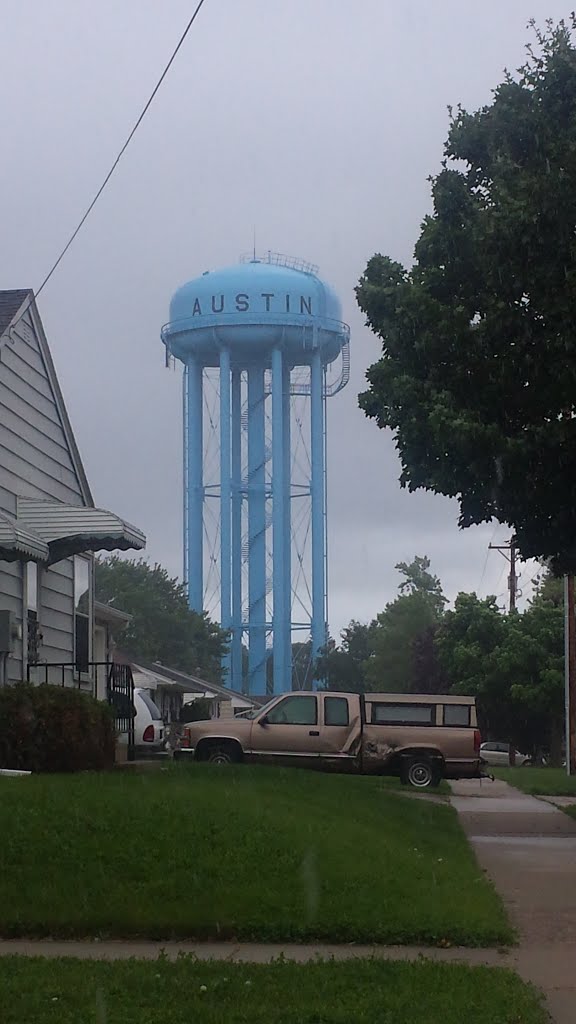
[[108, 680]]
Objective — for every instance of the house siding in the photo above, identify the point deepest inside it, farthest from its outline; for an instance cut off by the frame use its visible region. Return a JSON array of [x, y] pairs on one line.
[[36, 461], [34, 449]]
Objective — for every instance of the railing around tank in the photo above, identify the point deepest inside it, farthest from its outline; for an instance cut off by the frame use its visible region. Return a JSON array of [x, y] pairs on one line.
[[279, 259]]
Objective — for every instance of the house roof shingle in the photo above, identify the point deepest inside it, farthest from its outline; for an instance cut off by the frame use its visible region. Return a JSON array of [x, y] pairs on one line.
[[10, 302]]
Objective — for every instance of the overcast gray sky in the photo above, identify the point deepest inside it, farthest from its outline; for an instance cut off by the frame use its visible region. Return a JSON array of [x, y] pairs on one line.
[[318, 121]]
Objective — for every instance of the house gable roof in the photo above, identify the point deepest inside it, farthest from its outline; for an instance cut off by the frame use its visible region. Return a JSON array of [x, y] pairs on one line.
[[66, 522], [18, 311], [11, 302]]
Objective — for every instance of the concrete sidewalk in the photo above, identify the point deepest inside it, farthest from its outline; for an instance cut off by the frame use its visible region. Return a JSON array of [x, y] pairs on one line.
[[528, 848]]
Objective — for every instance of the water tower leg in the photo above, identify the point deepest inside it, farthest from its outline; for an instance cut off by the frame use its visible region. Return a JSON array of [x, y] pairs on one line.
[[278, 525], [194, 489], [256, 531], [287, 529], [225, 506], [317, 492], [236, 666]]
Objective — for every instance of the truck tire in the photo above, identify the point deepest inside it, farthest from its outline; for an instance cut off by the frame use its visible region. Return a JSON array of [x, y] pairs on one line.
[[420, 772], [223, 754]]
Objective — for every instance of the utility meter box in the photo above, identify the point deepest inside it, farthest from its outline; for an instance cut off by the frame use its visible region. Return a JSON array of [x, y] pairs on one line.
[[8, 631]]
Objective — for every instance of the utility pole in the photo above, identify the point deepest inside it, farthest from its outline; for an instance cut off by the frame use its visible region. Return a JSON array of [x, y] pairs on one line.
[[510, 552], [570, 673]]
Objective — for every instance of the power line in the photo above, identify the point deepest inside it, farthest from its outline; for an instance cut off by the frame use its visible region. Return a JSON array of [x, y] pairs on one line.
[[135, 128], [487, 555]]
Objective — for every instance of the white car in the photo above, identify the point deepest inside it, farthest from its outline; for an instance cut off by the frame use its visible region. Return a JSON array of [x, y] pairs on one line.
[[498, 754], [148, 724]]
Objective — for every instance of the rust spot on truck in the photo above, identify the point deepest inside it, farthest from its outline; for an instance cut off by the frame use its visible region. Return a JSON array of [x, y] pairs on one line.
[[379, 750]]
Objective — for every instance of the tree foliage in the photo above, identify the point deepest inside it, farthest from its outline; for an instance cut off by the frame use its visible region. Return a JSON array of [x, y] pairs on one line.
[[343, 667], [478, 371], [513, 664], [402, 635], [163, 628], [396, 651]]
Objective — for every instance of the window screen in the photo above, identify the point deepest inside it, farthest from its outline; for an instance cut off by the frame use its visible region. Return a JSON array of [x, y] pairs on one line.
[[336, 711], [403, 714], [32, 589], [294, 711], [457, 714], [82, 638]]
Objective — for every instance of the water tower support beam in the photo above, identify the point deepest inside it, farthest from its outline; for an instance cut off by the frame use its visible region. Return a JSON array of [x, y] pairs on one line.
[[279, 501], [256, 531], [317, 492], [236, 666], [225, 506], [194, 489]]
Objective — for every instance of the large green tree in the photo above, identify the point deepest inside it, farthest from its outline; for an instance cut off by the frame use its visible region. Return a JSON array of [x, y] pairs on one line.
[[343, 666], [398, 633], [513, 664], [477, 377], [163, 628]]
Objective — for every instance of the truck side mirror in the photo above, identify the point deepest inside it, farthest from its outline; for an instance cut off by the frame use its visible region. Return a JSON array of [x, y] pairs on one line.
[[263, 720]]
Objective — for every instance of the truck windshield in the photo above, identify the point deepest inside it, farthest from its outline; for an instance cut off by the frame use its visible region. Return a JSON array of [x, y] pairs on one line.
[[256, 711]]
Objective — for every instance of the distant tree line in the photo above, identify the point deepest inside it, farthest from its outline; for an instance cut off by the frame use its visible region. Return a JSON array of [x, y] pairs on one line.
[[512, 663], [163, 627]]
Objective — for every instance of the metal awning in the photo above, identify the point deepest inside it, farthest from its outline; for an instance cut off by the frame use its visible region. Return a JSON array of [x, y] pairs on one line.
[[17, 542], [75, 529]]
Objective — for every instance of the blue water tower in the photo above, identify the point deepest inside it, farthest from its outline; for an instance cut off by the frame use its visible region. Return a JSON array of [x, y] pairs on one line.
[[263, 346]]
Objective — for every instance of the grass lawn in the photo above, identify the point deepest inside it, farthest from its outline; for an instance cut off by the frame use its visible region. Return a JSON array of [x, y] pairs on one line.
[[539, 781], [353, 992], [237, 853]]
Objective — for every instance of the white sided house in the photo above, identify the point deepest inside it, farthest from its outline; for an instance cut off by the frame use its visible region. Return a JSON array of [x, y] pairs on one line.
[[50, 630]]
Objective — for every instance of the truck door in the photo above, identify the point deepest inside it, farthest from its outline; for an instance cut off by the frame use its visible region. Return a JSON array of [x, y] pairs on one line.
[[290, 731], [340, 733]]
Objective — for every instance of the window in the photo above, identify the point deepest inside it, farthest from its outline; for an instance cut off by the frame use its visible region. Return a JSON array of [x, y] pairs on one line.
[[403, 714], [82, 612], [457, 714], [31, 592], [336, 711], [32, 589], [294, 711]]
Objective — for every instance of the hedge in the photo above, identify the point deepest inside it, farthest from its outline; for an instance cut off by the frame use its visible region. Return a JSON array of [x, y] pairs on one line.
[[54, 729]]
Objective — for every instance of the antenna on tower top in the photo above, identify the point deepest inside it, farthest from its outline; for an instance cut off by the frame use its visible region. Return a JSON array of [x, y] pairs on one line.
[[254, 246]]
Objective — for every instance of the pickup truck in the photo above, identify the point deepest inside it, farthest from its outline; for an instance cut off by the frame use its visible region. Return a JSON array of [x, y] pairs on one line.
[[421, 738]]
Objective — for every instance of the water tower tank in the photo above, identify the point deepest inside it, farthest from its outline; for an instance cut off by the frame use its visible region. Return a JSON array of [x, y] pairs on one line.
[[259, 337], [252, 308]]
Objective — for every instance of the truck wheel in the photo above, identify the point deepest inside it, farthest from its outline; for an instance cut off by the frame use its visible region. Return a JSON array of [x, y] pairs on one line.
[[420, 772], [226, 754]]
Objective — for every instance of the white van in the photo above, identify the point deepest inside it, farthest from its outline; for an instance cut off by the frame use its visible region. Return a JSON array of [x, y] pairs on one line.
[[148, 724]]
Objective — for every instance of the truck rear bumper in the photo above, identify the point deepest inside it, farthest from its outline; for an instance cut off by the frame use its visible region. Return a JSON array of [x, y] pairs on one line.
[[473, 769], [183, 754]]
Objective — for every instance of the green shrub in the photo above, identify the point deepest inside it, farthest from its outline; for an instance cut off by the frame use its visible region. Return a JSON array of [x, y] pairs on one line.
[[54, 729]]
